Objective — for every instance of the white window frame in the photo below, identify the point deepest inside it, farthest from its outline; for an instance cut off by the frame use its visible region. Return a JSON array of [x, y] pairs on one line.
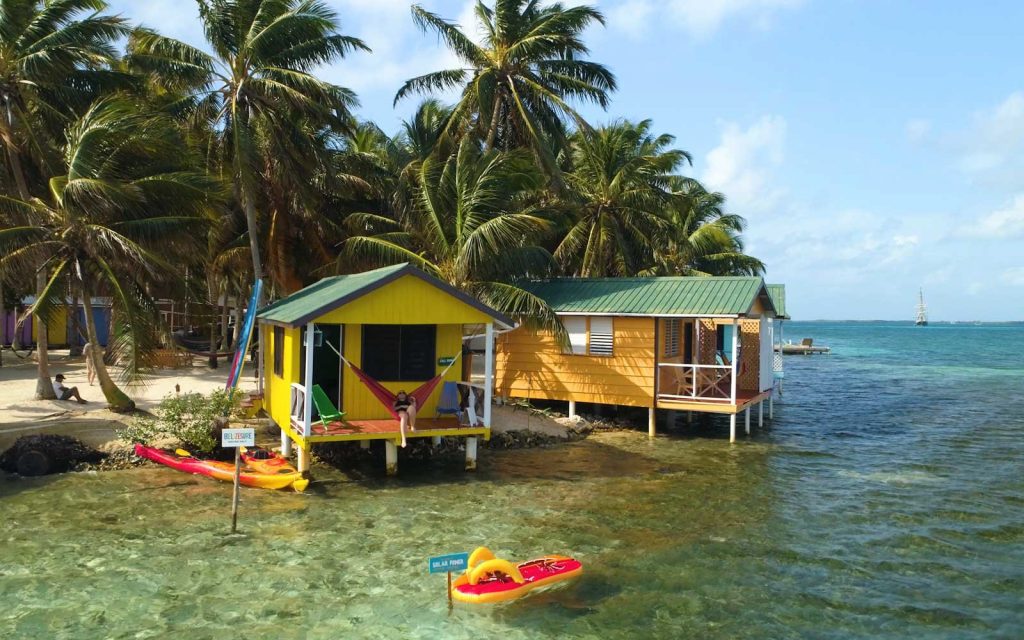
[[576, 327], [602, 336], [673, 329]]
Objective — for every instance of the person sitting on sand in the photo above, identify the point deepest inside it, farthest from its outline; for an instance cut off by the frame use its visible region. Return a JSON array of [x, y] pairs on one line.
[[63, 393], [405, 407]]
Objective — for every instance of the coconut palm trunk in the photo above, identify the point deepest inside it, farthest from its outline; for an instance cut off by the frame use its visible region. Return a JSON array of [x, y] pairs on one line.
[[44, 386], [117, 399]]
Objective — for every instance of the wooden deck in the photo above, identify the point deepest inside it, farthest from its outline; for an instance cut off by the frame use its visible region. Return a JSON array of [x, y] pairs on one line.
[[386, 429], [744, 399]]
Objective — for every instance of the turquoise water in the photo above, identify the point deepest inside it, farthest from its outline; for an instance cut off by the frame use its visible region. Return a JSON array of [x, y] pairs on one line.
[[885, 501]]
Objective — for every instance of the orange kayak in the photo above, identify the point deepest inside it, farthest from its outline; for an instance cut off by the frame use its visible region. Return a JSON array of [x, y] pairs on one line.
[[263, 469]]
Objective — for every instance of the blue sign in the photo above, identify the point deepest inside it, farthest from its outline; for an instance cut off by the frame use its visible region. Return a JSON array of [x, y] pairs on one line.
[[451, 562]]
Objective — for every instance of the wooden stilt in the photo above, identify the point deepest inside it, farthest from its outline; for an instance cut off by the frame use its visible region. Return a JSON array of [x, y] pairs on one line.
[[746, 420], [471, 453], [689, 417], [732, 427], [286, 444], [651, 419], [760, 414], [572, 408], [304, 459], [436, 441], [771, 406], [391, 457], [364, 444]]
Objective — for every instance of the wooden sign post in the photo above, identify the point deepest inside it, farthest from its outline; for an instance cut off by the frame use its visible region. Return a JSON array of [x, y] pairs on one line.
[[447, 564], [237, 438]]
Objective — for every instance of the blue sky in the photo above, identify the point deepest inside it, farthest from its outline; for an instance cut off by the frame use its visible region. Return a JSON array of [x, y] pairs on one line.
[[874, 147]]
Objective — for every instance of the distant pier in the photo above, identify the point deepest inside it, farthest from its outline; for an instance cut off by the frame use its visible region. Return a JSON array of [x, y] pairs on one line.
[[804, 348]]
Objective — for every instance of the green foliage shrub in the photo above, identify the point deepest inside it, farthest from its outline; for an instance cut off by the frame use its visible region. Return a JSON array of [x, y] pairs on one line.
[[191, 418]]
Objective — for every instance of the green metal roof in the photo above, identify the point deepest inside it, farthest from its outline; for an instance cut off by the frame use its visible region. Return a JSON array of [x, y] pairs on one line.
[[778, 294], [696, 296], [328, 294]]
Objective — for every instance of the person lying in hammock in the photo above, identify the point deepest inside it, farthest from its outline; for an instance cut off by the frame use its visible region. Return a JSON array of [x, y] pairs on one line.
[[405, 407]]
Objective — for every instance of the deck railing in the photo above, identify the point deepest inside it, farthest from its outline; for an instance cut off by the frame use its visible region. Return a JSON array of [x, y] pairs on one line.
[[704, 382], [471, 397], [298, 405]]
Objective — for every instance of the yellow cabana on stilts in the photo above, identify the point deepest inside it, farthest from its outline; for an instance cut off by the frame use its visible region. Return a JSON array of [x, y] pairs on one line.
[[359, 337]]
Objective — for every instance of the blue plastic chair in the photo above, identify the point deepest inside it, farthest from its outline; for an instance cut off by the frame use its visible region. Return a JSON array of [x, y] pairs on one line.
[[448, 404]]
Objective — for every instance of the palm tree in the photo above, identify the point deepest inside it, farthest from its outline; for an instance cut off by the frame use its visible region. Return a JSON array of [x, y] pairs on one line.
[[55, 57], [705, 240], [126, 205], [517, 84], [257, 90], [619, 199], [472, 224]]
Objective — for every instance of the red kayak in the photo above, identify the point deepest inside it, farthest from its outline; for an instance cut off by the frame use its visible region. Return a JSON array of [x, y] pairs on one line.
[[489, 579], [269, 472]]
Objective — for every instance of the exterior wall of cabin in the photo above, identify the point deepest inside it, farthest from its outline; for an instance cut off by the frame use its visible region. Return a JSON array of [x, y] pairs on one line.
[[277, 389], [408, 300], [356, 400], [56, 328], [531, 364]]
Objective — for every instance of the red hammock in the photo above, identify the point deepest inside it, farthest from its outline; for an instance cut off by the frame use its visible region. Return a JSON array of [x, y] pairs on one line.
[[421, 393]]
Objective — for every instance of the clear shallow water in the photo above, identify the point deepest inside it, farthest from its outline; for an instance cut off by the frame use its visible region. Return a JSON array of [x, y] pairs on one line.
[[886, 500]]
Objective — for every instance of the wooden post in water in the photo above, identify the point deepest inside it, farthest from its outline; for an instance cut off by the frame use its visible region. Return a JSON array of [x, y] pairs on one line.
[[732, 427], [451, 605], [746, 421], [234, 495]]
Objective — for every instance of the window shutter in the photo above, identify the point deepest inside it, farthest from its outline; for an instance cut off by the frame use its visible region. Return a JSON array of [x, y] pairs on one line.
[[576, 327], [602, 336], [672, 337]]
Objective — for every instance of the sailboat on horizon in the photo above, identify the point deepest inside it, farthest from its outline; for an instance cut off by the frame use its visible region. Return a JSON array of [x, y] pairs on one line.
[[922, 311]]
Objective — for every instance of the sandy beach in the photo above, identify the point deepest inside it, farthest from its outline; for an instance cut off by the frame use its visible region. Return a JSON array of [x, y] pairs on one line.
[[92, 423]]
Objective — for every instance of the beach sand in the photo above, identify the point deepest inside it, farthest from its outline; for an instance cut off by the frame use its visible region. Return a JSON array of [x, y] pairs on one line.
[[92, 423]]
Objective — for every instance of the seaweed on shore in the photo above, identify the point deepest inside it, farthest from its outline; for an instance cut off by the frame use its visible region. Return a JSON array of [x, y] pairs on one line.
[[40, 455]]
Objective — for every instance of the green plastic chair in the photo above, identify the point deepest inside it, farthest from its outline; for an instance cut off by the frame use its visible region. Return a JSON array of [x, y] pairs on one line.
[[328, 412]]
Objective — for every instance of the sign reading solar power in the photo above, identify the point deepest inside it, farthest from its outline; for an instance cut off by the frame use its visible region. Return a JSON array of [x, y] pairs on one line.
[[450, 562]]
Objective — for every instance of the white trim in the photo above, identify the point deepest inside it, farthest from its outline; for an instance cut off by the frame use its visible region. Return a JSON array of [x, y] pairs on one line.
[[488, 377], [735, 352], [307, 378], [651, 315]]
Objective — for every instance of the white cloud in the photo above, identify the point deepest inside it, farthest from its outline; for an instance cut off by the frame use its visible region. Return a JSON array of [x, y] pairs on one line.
[[1007, 222], [742, 165], [400, 51], [918, 129], [995, 140], [631, 16], [1014, 276], [702, 18]]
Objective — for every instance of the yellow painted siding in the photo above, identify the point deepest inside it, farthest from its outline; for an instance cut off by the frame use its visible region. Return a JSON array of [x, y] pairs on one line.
[[408, 300], [357, 401], [530, 364], [277, 389], [56, 328]]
